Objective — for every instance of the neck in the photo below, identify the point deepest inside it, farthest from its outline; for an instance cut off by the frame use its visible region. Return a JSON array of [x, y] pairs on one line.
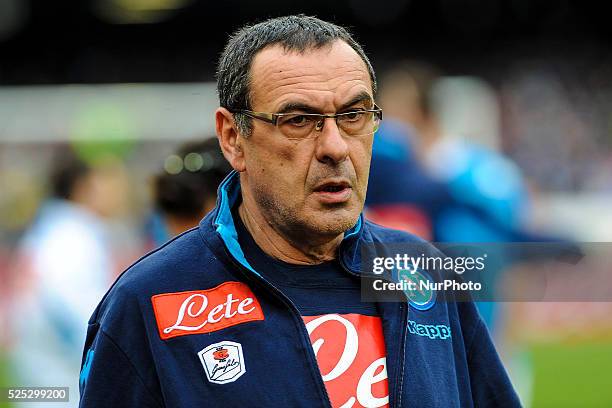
[[278, 245]]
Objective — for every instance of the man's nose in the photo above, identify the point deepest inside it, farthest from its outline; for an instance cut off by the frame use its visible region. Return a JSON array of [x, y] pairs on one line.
[[331, 145]]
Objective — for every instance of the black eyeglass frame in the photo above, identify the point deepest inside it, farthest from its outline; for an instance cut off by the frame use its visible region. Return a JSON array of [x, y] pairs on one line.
[[273, 117]]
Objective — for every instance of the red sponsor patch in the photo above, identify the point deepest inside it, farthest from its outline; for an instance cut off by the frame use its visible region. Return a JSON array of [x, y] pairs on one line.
[[205, 311], [350, 351]]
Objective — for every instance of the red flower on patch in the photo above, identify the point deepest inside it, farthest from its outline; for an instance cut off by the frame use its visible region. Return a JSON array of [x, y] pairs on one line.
[[220, 354]]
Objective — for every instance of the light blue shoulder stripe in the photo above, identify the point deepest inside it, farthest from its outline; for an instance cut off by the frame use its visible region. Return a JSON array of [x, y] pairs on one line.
[[85, 369], [355, 230], [224, 222]]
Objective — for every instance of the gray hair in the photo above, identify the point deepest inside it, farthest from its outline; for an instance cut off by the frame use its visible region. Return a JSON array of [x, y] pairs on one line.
[[295, 33]]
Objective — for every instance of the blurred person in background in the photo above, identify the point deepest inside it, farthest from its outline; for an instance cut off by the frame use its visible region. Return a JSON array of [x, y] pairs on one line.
[[454, 190], [488, 192], [186, 189], [415, 205], [476, 194], [62, 270], [481, 196]]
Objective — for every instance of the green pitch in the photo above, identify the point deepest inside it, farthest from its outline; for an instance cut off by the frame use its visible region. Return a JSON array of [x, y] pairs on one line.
[[5, 378], [572, 375]]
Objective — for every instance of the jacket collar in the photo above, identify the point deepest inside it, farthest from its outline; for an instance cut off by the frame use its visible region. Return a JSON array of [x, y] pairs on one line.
[[223, 223]]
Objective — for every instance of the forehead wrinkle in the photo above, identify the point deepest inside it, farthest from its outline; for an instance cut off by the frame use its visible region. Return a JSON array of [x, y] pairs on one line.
[[276, 73], [335, 90], [280, 75], [318, 86]]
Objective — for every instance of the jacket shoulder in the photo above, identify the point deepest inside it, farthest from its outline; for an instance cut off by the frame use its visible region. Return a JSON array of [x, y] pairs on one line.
[[184, 263]]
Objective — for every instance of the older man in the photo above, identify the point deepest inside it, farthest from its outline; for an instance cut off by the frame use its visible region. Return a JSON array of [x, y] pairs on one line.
[[260, 305]]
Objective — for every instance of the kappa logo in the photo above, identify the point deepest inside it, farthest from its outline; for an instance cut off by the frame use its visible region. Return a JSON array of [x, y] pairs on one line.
[[433, 331], [223, 362], [205, 311]]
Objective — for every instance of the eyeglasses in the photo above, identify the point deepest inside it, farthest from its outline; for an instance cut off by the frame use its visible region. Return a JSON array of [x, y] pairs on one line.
[[358, 122]]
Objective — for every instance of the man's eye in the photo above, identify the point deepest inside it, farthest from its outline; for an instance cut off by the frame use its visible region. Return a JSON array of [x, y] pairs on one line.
[[297, 120], [353, 116]]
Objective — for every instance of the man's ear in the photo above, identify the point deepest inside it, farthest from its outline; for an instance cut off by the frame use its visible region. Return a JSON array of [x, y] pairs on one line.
[[229, 139]]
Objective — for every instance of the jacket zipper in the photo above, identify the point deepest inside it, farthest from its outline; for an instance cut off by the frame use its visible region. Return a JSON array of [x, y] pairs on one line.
[[400, 379], [296, 315], [399, 382]]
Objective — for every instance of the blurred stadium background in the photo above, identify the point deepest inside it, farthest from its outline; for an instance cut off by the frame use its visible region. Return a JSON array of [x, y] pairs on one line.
[[122, 83]]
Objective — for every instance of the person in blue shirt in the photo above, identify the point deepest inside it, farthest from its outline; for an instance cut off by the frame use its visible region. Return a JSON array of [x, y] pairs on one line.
[[63, 265], [260, 306], [464, 191]]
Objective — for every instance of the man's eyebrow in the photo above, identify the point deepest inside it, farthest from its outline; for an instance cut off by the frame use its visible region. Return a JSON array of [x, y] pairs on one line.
[[297, 106], [361, 97], [302, 107]]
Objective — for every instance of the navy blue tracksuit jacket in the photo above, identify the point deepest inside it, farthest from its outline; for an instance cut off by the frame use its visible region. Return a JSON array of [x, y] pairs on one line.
[[192, 324]]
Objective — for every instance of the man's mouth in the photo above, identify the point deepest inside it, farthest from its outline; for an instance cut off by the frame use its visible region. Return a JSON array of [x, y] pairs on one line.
[[332, 188], [333, 192]]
